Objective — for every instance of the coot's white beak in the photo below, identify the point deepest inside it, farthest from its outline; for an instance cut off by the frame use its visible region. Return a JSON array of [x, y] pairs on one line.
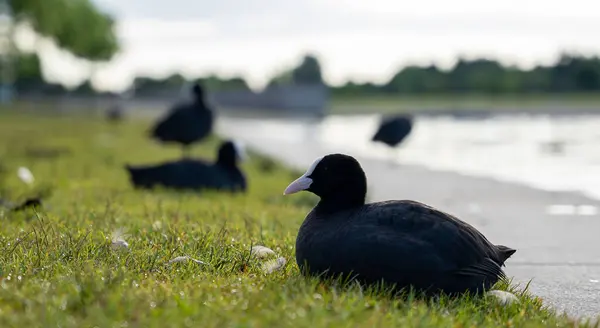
[[302, 183]]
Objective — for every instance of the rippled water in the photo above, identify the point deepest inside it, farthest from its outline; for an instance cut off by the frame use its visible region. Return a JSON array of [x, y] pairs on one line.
[[550, 152]]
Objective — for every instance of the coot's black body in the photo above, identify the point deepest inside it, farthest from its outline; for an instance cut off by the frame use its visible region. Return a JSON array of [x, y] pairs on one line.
[[393, 130], [33, 202], [186, 123], [192, 174], [399, 242]]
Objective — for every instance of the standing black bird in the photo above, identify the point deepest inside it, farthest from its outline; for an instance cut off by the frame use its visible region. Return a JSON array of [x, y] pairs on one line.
[[400, 242], [186, 123], [392, 130], [191, 174]]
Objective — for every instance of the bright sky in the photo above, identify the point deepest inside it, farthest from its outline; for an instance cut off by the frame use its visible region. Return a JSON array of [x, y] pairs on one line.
[[355, 39]]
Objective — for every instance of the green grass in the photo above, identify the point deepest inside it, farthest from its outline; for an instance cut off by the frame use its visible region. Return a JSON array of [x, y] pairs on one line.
[[415, 103], [58, 269]]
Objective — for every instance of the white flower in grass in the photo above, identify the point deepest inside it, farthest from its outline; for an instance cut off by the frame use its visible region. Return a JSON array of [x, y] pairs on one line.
[[157, 225], [179, 259], [25, 175], [274, 265], [503, 297], [261, 251], [118, 239]]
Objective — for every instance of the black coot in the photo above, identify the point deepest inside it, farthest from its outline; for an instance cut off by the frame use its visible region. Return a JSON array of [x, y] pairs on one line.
[[186, 123], [393, 130], [190, 174], [115, 113], [401, 242], [32, 202]]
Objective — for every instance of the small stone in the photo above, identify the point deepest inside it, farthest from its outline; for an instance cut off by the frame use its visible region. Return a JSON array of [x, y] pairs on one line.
[[274, 265], [503, 297], [261, 251]]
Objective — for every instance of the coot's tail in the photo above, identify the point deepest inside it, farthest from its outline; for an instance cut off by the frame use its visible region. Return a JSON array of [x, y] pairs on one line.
[[141, 177], [33, 202], [505, 252], [377, 136]]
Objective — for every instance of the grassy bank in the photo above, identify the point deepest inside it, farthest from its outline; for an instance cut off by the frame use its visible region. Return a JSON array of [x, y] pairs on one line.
[[416, 103], [58, 267]]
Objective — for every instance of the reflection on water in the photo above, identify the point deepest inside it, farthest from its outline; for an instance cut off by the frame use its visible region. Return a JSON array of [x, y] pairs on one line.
[[549, 152]]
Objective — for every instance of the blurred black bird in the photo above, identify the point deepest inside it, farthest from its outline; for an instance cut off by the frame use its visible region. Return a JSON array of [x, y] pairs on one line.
[[115, 113], [32, 202], [400, 242], [186, 123], [194, 174], [393, 130]]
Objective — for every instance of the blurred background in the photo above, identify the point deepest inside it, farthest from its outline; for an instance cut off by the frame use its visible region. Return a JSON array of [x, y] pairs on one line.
[[507, 89]]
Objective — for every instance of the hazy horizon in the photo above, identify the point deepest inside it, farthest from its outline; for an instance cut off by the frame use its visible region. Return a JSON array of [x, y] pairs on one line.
[[354, 39]]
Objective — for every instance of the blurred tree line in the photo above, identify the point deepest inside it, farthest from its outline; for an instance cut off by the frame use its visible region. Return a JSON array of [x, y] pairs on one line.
[[307, 72], [154, 86], [75, 26], [570, 74], [79, 27]]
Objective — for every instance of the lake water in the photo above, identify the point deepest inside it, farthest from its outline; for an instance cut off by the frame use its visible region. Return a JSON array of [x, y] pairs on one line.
[[558, 153]]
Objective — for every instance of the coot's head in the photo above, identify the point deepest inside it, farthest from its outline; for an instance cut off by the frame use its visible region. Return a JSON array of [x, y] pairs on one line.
[[335, 178], [231, 153]]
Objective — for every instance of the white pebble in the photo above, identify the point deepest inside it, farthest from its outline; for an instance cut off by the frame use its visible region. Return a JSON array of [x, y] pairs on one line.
[[179, 259], [157, 225], [25, 175], [504, 298], [274, 265], [117, 244], [261, 251], [117, 239]]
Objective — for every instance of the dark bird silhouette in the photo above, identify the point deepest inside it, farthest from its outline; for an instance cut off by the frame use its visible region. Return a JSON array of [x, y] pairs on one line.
[[115, 113], [32, 202], [192, 174], [186, 123], [393, 130], [400, 242]]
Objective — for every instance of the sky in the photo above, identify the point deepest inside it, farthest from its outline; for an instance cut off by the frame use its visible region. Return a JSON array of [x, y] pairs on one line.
[[359, 40]]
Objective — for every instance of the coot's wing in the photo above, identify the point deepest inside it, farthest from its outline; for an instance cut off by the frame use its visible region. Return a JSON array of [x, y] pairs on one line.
[[235, 180], [405, 127], [241, 181], [150, 175], [205, 122], [382, 131], [393, 130], [171, 123], [416, 240]]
